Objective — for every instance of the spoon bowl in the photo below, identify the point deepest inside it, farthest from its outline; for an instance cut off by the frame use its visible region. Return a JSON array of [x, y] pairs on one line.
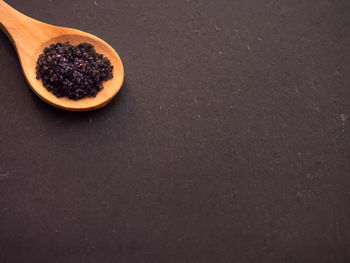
[[30, 37]]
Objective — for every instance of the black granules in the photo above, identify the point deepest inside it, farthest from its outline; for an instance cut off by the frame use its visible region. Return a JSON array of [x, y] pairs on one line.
[[73, 71]]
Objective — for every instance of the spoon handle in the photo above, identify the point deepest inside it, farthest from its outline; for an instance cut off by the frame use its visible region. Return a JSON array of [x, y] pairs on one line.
[[12, 22], [19, 28], [9, 16]]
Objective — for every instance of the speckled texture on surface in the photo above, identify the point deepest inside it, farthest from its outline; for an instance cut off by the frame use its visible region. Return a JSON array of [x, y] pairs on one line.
[[229, 141]]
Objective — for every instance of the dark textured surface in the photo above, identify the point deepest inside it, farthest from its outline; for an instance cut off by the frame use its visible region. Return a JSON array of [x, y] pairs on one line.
[[228, 143]]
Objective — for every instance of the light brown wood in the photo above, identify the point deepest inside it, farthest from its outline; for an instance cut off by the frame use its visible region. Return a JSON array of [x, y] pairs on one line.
[[30, 37]]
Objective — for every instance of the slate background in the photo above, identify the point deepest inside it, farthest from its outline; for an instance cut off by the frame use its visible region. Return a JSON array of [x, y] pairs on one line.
[[229, 141]]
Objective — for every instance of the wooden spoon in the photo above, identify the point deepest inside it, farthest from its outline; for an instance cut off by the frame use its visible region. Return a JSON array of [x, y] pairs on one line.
[[30, 37]]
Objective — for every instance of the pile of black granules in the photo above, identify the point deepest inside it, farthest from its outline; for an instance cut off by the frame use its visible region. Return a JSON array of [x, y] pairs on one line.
[[73, 71]]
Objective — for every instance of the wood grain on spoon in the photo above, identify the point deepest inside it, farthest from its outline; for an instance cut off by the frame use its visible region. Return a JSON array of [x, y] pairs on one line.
[[30, 37]]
